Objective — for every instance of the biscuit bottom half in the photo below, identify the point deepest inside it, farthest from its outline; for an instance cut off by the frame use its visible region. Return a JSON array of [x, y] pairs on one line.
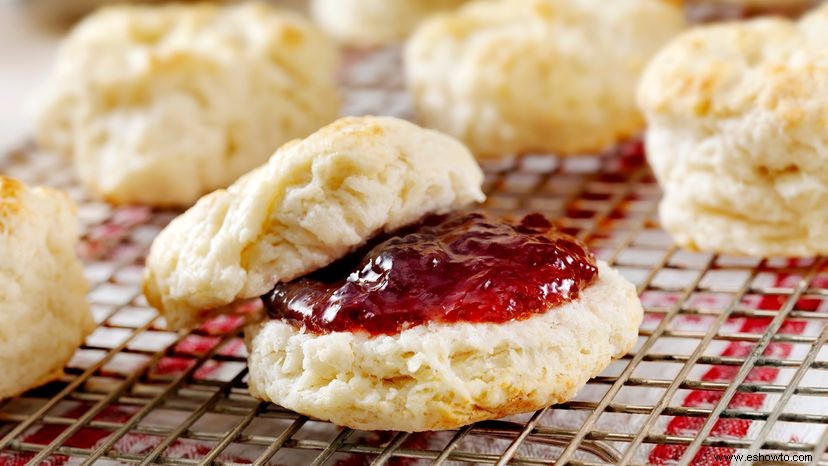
[[445, 375]]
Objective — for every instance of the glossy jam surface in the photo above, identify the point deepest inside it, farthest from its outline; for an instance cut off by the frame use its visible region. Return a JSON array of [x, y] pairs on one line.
[[466, 267]]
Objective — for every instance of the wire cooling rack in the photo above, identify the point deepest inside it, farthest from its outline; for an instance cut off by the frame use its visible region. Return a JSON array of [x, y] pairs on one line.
[[730, 356]]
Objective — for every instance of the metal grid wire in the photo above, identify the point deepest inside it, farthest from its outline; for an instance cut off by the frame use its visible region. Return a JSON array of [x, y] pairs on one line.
[[729, 356]]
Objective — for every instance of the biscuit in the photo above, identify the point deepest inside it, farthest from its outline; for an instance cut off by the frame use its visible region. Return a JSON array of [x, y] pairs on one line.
[[374, 22], [737, 116], [516, 76], [442, 376], [311, 203], [161, 104], [43, 308]]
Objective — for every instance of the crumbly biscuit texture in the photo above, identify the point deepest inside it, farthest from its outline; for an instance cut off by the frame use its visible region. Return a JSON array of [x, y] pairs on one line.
[[374, 22], [738, 139], [161, 104], [516, 76], [313, 202], [442, 376], [44, 315]]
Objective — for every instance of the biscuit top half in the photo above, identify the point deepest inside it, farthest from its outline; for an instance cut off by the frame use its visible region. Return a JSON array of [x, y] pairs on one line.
[[314, 201], [773, 66]]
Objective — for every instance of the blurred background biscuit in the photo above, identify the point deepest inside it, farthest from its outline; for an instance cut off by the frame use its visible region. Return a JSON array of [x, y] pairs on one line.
[[516, 76], [159, 105], [314, 201]]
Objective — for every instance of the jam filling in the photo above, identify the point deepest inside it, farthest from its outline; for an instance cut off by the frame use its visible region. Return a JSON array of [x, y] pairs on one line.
[[468, 267]]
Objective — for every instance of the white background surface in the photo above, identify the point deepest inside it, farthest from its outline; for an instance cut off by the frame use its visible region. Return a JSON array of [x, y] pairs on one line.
[[26, 48]]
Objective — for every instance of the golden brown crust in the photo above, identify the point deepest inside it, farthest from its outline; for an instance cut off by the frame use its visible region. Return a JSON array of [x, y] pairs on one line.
[[724, 70], [10, 190]]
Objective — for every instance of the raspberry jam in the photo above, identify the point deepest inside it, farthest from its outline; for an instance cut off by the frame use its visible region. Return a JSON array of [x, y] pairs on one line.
[[460, 268]]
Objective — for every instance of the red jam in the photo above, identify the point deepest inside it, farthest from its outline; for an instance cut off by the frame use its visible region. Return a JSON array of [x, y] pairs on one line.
[[458, 268]]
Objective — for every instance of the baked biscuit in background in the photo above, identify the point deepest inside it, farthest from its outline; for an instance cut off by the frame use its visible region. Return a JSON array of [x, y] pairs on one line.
[[311, 203], [516, 76], [44, 315], [738, 136], [374, 22], [161, 104]]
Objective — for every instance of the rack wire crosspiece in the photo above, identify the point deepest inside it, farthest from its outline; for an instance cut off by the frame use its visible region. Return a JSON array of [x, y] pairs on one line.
[[730, 357]]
